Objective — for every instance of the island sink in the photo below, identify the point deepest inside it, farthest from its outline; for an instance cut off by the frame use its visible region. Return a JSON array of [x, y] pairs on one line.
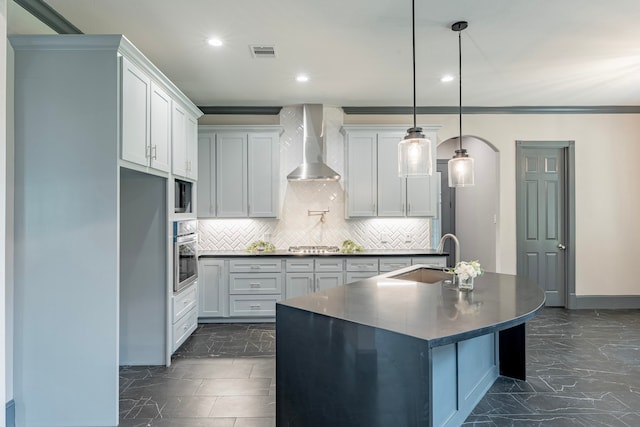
[[423, 275], [399, 349]]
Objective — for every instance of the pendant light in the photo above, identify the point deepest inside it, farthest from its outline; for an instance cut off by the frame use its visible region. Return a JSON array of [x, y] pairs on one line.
[[461, 165], [414, 151]]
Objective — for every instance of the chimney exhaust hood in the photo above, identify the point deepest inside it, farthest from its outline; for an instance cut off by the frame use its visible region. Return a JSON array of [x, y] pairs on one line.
[[313, 167]]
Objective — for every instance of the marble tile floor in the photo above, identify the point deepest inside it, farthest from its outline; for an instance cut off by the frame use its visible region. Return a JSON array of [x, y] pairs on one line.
[[583, 370]]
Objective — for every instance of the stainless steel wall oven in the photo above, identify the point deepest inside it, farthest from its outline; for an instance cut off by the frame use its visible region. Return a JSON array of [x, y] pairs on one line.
[[185, 261]]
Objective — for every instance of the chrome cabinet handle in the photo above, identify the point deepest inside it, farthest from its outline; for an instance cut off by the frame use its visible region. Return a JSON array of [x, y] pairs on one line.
[[154, 152], [561, 246]]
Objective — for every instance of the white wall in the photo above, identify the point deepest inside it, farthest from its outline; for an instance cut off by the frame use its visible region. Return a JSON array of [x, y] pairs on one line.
[[606, 173], [3, 205], [477, 206]]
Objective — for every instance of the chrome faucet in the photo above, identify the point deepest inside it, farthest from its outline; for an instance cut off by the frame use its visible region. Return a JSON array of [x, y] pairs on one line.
[[455, 240]]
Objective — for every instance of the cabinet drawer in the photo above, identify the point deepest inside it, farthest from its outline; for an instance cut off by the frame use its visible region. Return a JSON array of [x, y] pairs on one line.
[[184, 301], [431, 261], [304, 265], [329, 264], [362, 264], [253, 306], [184, 328], [390, 264], [267, 283], [354, 276], [255, 265]]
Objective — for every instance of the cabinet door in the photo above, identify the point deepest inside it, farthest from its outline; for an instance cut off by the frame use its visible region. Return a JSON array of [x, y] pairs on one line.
[[362, 177], [391, 187], [191, 146], [136, 87], [422, 196], [298, 284], [213, 289], [206, 176], [328, 280], [423, 193], [178, 140], [231, 175], [160, 131], [263, 174]]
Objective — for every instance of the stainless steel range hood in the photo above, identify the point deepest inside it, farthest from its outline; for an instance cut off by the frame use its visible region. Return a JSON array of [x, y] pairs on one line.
[[313, 167]]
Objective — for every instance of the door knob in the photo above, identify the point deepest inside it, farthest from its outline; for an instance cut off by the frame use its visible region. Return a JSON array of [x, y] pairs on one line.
[[561, 246]]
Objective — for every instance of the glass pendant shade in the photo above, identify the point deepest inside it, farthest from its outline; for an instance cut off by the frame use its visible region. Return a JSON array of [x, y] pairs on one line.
[[414, 155], [461, 171]]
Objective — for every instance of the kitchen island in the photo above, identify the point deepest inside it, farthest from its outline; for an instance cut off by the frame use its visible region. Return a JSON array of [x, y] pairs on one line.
[[399, 349]]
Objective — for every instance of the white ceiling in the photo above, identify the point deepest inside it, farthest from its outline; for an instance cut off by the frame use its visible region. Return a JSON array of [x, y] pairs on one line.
[[358, 52]]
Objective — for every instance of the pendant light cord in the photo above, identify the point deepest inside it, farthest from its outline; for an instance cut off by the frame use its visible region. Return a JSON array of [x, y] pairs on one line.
[[460, 84], [413, 33]]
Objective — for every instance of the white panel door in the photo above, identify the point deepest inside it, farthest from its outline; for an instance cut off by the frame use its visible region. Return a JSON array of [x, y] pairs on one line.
[[362, 176], [391, 187], [136, 87], [191, 145], [263, 174], [213, 293], [328, 280], [231, 175], [178, 140], [298, 284], [206, 176], [160, 135]]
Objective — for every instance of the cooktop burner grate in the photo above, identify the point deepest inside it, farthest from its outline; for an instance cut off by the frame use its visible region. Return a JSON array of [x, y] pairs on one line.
[[314, 249]]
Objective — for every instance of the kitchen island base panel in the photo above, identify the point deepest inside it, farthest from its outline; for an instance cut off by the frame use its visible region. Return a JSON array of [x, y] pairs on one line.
[[513, 352], [335, 372]]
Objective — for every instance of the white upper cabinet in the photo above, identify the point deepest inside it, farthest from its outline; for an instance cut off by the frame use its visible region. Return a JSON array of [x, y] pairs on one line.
[[136, 89], [156, 127], [263, 174], [373, 186], [206, 176], [184, 142], [238, 172], [160, 138], [231, 175], [391, 188], [361, 174]]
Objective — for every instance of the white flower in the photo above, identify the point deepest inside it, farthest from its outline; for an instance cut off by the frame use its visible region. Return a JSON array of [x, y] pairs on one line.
[[464, 270]]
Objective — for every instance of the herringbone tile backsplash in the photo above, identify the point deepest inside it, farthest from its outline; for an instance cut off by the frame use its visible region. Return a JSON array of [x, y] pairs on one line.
[[295, 226]]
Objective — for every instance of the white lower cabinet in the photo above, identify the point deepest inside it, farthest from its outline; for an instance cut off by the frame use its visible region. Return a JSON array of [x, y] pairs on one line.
[[308, 275], [361, 268], [185, 315], [393, 263], [255, 285], [326, 281], [248, 288], [431, 261], [298, 284], [214, 291]]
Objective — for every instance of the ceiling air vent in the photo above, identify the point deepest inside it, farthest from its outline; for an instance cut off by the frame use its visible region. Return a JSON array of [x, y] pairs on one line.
[[263, 51]]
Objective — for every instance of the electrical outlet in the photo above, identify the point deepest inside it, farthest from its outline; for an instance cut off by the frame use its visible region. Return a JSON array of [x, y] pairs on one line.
[[384, 238], [408, 238]]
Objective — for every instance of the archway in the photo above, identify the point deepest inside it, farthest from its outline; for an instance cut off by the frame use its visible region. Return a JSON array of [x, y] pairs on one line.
[[477, 208]]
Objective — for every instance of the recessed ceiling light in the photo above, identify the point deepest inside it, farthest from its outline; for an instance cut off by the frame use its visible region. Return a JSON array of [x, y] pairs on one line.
[[302, 78], [447, 78], [214, 41]]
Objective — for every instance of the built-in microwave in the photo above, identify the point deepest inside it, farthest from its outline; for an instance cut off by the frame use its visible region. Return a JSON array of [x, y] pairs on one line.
[[183, 193], [185, 258]]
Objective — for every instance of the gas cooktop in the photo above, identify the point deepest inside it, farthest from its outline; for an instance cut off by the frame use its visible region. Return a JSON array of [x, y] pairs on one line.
[[314, 249]]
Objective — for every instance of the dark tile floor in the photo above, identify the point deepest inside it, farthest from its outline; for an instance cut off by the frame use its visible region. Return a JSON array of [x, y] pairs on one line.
[[583, 370]]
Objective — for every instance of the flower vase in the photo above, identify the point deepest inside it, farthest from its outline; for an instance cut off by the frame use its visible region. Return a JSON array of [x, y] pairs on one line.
[[465, 284]]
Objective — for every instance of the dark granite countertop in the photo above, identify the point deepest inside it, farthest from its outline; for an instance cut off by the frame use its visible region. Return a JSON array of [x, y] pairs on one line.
[[285, 253], [430, 311]]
